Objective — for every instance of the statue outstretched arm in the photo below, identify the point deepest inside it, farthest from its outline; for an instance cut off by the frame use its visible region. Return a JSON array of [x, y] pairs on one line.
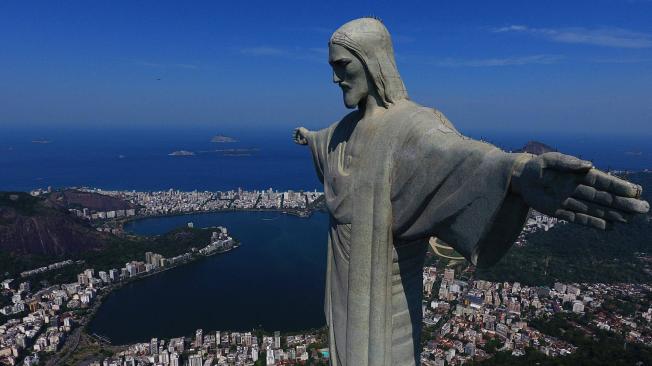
[[314, 140], [571, 189]]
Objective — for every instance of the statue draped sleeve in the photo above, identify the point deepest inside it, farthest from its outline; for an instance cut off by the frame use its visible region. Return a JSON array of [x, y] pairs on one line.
[[455, 188], [318, 142]]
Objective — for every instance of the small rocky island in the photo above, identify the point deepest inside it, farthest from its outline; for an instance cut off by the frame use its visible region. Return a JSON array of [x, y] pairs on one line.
[[182, 153], [222, 139]]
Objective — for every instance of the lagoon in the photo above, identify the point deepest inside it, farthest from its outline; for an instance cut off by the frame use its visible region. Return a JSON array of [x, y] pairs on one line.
[[274, 281]]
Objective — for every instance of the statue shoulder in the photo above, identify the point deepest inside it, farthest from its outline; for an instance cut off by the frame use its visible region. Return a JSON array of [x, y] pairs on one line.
[[325, 134], [430, 119], [348, 118], [442, 118]]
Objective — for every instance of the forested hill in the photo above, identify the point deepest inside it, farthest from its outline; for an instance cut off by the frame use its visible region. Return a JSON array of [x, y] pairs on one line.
[[573, 253], [34, 226], [35, 232], [71, 198]]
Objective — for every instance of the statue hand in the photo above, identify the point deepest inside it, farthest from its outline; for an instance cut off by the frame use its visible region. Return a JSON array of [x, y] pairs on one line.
[[571, 189], [299, 135]]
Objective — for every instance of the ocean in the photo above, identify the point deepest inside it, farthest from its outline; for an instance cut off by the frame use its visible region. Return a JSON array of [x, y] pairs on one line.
[[137, 159]]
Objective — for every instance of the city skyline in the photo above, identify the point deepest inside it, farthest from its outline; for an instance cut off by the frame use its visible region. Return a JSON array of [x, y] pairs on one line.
[[542, 67]]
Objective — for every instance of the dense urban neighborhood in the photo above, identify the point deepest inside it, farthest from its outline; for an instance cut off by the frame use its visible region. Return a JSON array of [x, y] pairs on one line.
[[470, 320], [178, 202]]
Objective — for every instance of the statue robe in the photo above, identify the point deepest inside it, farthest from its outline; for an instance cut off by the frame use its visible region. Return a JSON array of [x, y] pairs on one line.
[[390, 183]]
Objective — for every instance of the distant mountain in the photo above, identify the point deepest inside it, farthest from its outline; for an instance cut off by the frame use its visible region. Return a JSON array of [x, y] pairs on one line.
[[35, 225], [222, 138], [71, 198], [535, 147]]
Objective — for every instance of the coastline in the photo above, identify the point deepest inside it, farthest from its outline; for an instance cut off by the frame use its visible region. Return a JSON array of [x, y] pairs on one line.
[[82, 332], [304, 213], [83, 336], [284, 251]]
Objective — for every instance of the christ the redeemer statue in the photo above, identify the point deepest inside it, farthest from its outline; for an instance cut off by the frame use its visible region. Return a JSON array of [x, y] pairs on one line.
[[396, 173]]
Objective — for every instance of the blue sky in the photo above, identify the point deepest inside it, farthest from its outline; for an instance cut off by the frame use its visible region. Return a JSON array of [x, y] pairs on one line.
[[500, 66]]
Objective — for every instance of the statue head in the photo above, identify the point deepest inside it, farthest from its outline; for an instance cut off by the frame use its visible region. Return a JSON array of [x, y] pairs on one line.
[[362, 57]]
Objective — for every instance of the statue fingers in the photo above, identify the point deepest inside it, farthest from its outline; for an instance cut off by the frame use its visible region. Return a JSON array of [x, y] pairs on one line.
[[566, 163], [589, 193], [595, 210], [632, 205], [582, 219], [565, 215], [627, 205], [604, 198], [605, 182], [591, 221]]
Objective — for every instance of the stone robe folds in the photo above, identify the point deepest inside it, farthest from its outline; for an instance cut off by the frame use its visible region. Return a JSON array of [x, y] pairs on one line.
[[391, 183]]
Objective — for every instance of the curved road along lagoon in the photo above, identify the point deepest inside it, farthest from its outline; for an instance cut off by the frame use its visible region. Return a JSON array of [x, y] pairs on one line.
[[274, 280]]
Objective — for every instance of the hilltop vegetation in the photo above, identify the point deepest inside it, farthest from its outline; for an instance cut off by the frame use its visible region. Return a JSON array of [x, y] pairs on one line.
[[116, 252], [571, 253], [20, 202], [72, 198], [602, 348], [33, 226], [38, 231]]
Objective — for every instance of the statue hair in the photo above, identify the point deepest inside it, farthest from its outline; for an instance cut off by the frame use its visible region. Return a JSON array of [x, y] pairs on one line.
[[368, 39]]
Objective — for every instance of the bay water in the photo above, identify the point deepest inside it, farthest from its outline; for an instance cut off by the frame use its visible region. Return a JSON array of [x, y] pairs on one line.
[[274, 281]]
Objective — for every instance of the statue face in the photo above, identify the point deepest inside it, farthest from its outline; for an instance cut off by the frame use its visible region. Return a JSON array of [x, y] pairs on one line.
[[350, 74]]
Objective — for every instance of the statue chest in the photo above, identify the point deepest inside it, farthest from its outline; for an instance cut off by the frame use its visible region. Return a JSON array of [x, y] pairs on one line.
[[339, 177], [358, 156]]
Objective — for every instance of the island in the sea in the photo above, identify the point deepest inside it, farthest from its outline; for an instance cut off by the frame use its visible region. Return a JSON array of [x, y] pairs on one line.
[[634, 153], [222, 138], [182, 153]]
